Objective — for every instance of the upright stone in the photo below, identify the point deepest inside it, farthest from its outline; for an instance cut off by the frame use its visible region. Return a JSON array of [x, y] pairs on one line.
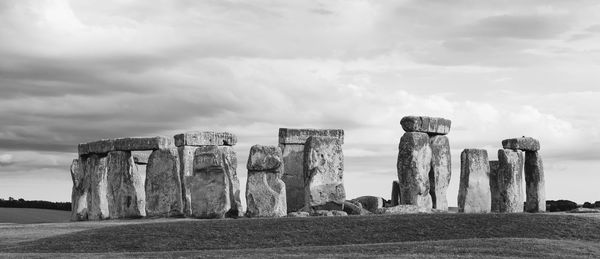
[[124, 201], [209, 184], [414, 165], [265, 191], [534, 178], [430, 125], [186, 161], [395, 193], [230, 166], [80, 191], [474, 191], [323, 171], [163, 185], [441, 171], [97, 200], [510, 180], [291, 142], [494, 188], [523, 143]]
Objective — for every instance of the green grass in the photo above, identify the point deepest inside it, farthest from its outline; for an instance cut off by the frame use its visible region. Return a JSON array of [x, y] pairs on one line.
[[332, 235], [29, 216]]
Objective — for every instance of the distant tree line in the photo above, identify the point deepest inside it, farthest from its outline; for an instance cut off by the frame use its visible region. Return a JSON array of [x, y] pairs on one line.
[[21, 203], [590, 205]]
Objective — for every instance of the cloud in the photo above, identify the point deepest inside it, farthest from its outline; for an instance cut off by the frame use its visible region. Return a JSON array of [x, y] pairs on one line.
[[6, 160]]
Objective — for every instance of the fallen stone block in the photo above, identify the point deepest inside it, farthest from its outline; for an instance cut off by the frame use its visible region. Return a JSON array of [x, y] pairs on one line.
[[126, 195], [510, 180], [370, 203], [323, 171], [298, 214], [430, 125], [151, 143], [494, 186], [414, 165], [535, 183], [406, 209], [523, 143], [300, 136], [347, 206], [163, 184], [441, 171], [205, 138], [265, 191], [474, 192], [80, 191]]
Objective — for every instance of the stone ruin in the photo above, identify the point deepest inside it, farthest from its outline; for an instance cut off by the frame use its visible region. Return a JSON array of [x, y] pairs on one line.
[[265, 191]]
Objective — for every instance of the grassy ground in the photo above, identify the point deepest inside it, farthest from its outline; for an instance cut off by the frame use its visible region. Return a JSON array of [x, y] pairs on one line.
[[422, 235], [29, 216]]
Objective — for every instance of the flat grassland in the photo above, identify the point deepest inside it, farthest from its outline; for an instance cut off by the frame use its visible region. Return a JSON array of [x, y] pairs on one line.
[[27, 215], [413, 236]]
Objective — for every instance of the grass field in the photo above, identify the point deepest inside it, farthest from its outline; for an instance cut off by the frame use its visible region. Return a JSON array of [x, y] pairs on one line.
[[418, 236], [28, 216]]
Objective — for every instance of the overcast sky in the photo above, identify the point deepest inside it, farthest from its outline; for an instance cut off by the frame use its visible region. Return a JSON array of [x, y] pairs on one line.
[[78, 71]]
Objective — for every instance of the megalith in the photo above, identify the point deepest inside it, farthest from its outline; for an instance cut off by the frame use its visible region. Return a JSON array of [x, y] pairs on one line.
[[97, 199], [510, 180], [535, 182], [291, 142], [414, 165], [430, 125], [265, 191], [124, 201], [80, 191], [323, 171], [163, 185], [395, 199], [441, 171], [474, 191], [494, 186]]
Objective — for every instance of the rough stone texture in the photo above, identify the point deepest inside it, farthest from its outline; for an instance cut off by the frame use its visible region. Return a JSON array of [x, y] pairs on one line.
[[97, 147], [151, 143], [293, 176], [141, 157], [338, 213], [406, 209], [534, 178], [323, 171], [186, 163], [80, 191], [395, 200], [510, 180], [441, 171], [209, 184], [494, 186], [298, 214], [300, 136], [370, 203], [205, 138], [414, 165], [230, 165], [322, 213], [430, 125], [163, 184], [348, 206], [523, 143], [124, 200], [97, 200], [474, 192], [265, 191]]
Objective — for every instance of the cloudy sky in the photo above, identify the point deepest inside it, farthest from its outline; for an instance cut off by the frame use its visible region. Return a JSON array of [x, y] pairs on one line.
[[76, 71]]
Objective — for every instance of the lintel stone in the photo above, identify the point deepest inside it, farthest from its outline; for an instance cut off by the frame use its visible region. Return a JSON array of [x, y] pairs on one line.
[[299, 136], [97, 147], [522, 143], [429, 125], [151, 143], [205, 138]]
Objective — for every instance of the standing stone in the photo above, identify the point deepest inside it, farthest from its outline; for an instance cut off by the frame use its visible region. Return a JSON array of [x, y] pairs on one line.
[[291, 142], [323, 171], [163, 185], [395, 193], [141, 157], [414, 165], [494, 186], [534, 178], [186, 161], [230, 166], [430, 125], [123, 178], [265, 191], [474, 192], [209, 184], [96, 170], [441, 171], [510, 180], [80, 191]]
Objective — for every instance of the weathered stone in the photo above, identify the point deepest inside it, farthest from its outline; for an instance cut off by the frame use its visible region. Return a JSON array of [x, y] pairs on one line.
[[474, 192], [523, 143], [300, 136], [370, 203], [265, 191], [430, 125], [395, 193], [441, 171], [151, 143], [406, 209], [414, 165], [80, 191], [510, 180], [323, 171], [209, 184], [230, 163], [163, 184], [293, 176], [141, 157], [124, 201], [97, 147], [348, 206], [337, 213], [186, 163], [494, 186], [264, 158], [535, 182], [322, 213], [298, 214], [97, 200], [205, 138]]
